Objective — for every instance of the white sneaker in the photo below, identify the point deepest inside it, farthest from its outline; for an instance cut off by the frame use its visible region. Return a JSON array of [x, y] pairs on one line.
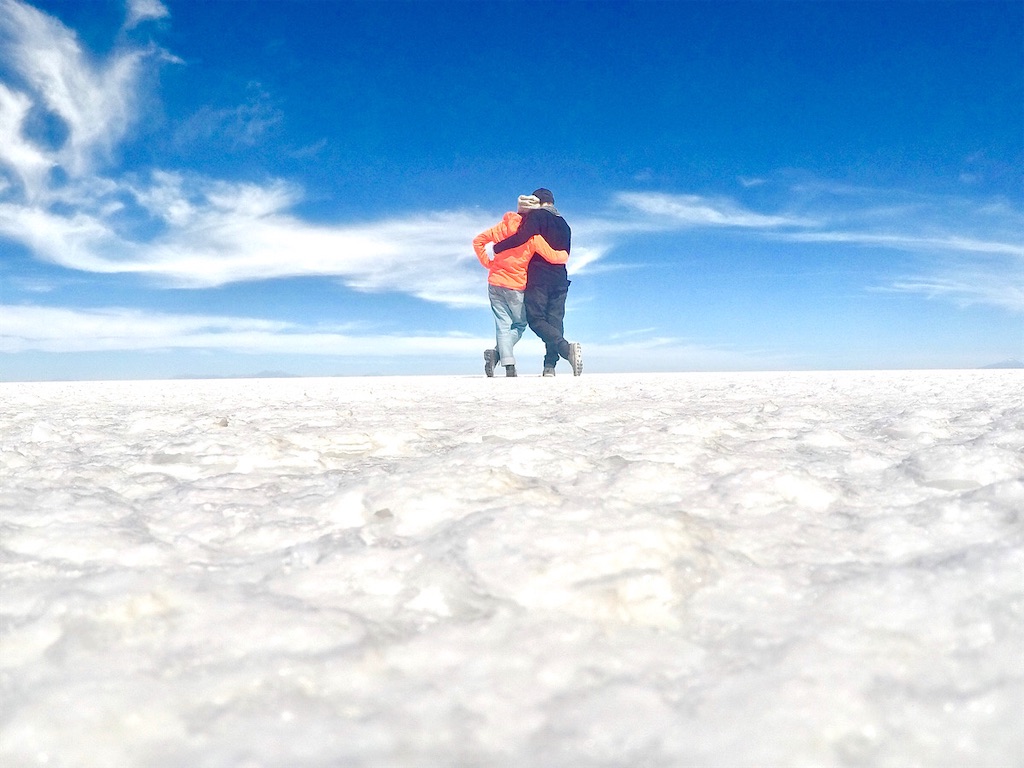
[[490, 358], [576, 358]]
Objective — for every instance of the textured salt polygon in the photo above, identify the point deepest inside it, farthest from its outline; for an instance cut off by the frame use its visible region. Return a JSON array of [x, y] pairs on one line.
[[731, 569]]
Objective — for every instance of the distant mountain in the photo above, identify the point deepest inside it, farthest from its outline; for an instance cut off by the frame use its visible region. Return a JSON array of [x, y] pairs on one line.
[[1006, 364]]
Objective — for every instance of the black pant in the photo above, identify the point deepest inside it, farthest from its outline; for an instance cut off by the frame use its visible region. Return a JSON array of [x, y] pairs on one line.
[[546, 289]]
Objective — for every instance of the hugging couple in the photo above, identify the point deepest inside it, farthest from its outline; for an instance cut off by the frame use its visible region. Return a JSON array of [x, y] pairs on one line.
[[527, 282]]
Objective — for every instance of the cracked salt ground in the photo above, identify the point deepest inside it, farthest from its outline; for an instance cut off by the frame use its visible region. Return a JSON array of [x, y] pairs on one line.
[[707, 570]]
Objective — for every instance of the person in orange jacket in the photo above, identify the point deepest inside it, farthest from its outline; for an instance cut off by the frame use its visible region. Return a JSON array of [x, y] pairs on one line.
[[506, 282]]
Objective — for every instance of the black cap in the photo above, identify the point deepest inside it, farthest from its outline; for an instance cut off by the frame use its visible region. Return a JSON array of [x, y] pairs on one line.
[[544, 195]]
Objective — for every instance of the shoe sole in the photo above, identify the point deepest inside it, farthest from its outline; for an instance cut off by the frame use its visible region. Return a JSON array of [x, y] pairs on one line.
[[489, 361], [576, 358]]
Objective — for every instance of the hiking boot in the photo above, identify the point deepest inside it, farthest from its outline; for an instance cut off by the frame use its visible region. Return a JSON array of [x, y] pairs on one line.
[[490, 358], [549, 371], [510, 370], [576, 358]]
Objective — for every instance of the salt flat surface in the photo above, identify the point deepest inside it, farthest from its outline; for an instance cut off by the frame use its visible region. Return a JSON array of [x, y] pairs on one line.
[[799, 569]]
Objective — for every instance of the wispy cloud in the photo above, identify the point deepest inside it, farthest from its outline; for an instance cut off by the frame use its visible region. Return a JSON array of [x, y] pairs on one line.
[[208, 233], [178, 229], [144, 10], [673, 211], [633, 333], [183, 230], [93, 101], [29, 162], [118, 329], [985, 282], [647, 351], [752, 181], [53, 329], [910, 242], [909, 220], [971, 252], [30, 286], [634, 214], [239, 127]]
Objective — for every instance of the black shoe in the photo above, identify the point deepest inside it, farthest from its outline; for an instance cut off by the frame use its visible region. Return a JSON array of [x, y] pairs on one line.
[[490, 358], [549, 371], [510, 370]]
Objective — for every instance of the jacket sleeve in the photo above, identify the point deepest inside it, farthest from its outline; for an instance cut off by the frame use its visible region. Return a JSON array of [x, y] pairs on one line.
[[540, 246], [500, 231]]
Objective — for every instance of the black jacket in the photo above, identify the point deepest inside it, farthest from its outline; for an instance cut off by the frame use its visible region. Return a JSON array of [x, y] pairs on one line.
[[548, 225]]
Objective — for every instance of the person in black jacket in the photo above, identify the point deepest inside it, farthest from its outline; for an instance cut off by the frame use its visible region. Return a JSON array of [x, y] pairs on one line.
[[547, 284]]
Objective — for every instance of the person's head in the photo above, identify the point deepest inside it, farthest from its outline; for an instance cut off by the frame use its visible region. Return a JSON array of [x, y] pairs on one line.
[[545, 196], [527, 203]]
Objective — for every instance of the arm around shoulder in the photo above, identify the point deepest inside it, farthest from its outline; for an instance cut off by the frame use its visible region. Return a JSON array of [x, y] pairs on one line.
[[541, 248]]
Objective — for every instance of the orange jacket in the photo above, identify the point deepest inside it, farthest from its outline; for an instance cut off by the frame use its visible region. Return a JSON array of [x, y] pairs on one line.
[[508, 268]]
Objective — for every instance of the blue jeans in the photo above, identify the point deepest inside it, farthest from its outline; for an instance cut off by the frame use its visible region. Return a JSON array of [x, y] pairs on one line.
[[509, 320]]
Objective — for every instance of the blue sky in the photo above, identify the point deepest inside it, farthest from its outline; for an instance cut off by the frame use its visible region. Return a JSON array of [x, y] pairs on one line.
[[229, 188]]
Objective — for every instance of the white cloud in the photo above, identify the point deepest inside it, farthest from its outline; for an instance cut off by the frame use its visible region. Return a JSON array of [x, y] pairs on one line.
[[96, 101], [240, 127], [29, 162], [29, 285], [696, 211], [970, 252], [626, 334], [584, 256], [643, 352], [144, 10], [968, 284], [186, 231], [116, 329], [214, 233], [76, 237], [973, 252], [53, 329], [949, 242]]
